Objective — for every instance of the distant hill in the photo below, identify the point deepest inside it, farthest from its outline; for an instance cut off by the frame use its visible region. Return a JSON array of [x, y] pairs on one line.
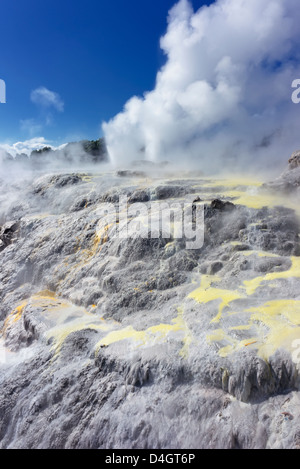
[[82, 152]]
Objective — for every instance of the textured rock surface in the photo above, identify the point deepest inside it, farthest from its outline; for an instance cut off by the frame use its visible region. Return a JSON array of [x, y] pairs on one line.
[[294, 161], [111, 342], [289, 181]]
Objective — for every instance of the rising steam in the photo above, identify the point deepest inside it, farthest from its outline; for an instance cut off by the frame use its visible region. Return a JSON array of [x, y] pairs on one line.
[[224, 94]]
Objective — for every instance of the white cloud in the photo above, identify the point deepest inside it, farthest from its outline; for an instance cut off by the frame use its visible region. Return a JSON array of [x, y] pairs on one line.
[[224, 91], [47, 99], [26, 146]]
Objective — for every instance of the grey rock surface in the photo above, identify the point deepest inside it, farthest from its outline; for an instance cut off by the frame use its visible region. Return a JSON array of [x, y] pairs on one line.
[[289, 181], [112, 341]]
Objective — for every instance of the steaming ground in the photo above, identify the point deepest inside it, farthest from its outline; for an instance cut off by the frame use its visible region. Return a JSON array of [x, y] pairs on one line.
[[142, 343], [110, 341]]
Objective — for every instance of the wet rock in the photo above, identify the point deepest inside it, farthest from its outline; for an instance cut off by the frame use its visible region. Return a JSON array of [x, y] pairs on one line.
[[170, 280], [182, 261], [280, 234], [81, 204], [169, 192], [294, 161], [8, 233], [113, 196], [142, 350], [214, 267], [138, 374], [245, 265], [289, 181], [131, 174], [240, 247], [139, 196], [77, 344], [43, 184], [259, 378], [272, 265], [222, 226], [218, 204], [132, 249], [66, 180]]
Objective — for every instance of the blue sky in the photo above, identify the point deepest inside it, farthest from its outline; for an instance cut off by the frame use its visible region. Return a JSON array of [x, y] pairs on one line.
[[92, 55]]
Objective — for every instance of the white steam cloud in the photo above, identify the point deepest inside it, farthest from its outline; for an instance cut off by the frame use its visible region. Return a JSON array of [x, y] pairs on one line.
[[224, 94]]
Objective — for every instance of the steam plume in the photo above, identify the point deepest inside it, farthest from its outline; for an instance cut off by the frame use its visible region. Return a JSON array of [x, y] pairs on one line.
[[224, 93]]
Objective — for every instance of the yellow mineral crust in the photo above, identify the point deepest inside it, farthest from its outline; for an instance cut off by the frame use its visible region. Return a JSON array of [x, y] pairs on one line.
[[206, 293], [252, 285], [275, 323], [247, 192], [153, 335], [64, 318], [14, 316]]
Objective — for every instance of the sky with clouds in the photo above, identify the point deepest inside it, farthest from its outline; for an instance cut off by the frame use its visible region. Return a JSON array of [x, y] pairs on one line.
[[69, 66], [158, 79]]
